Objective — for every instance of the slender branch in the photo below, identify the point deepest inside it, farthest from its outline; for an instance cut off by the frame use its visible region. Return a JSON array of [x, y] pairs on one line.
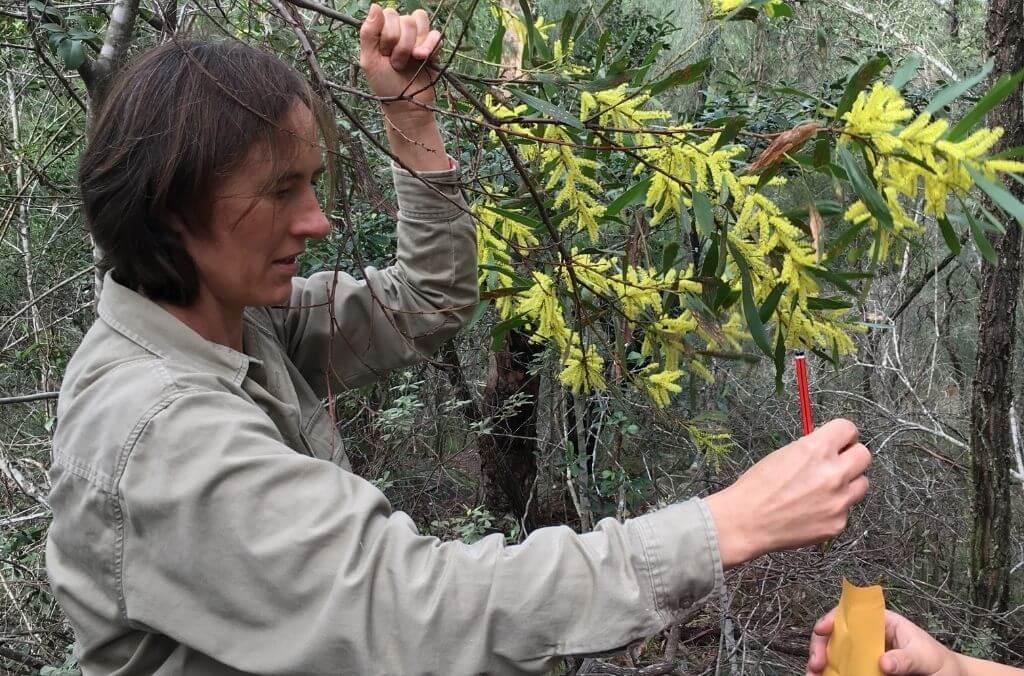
[[38, 396]]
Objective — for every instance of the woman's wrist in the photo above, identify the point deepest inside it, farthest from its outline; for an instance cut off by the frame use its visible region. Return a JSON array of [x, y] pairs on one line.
[[735, 543], [415, 139]]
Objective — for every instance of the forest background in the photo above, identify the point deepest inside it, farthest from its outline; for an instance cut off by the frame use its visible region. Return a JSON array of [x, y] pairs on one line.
[[671, 199]]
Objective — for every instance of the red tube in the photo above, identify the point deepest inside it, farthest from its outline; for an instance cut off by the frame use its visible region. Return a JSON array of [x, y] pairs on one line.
[[804, 392]]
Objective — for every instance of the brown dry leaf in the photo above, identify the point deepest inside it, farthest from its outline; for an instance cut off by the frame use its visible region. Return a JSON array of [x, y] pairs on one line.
[[817, 226], [784, 143]]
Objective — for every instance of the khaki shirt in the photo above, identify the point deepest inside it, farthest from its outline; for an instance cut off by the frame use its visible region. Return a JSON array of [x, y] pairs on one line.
[[206, 521]]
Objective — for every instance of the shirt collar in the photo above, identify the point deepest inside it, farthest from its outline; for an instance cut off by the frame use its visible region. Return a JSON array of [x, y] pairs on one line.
[[147, 324]]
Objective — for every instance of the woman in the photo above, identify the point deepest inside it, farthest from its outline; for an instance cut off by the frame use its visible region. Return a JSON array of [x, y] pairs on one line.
[[205, 521]]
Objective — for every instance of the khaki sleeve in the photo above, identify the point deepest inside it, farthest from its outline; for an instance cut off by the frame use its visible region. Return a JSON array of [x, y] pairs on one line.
[[396, 316], [273, 562]]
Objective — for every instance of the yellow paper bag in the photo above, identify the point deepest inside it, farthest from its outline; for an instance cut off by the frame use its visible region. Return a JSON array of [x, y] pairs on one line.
[[858, 639]]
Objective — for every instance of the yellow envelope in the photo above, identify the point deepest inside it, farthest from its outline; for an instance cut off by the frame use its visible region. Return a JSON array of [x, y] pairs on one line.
[[858, 639]]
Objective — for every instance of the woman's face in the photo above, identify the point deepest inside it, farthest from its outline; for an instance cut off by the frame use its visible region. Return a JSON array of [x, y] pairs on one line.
[[248, 256]]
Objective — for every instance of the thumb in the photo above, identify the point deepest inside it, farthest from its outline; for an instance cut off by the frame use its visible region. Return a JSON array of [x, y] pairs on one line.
[[898, 662]]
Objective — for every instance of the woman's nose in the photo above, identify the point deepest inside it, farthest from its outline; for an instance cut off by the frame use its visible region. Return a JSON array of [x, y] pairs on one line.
[[311, 223]]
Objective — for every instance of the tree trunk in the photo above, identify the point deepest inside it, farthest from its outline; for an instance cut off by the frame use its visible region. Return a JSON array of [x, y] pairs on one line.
[[508, 462], [991, 395]]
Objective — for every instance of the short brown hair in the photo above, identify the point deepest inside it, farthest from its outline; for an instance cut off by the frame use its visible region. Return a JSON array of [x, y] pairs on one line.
[[175, 121]]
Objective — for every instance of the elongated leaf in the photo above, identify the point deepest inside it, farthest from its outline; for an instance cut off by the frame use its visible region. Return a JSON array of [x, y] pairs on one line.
[[518, 217], [72, 54], [478, 312], [536, 44], [952, 92], [949, 234], [502, 328], [750, 309], [999, 91], [980, 241], [822, 152], [702, 212], [832, 303], [683, 76], [1000, 195], [494, 50], [547, 108], [861, 79], [668, 256], [730, 130], [634, 194], [780, 359], [865, 190], [771, 302], [907, 70]]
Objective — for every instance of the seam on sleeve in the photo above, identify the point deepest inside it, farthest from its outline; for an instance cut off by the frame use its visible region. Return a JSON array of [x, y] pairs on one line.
[[651, 561], [117, 499], [711, 541]]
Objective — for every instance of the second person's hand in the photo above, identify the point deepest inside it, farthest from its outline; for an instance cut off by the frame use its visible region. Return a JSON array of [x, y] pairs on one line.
[[911, 651], [799, 495]]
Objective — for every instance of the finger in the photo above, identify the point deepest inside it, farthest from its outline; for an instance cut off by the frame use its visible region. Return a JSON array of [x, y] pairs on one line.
[[426, 49], [391, 32], [369, 32], [898, 663], [817, 651], [839, 433], [402, 52], [858, 489], [422, 25], [856, 459], [894, 622]]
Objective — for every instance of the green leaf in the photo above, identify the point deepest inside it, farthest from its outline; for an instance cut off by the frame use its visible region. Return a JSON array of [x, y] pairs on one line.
[[865, 190], [1000, 195], [565, 32], [494, 50], [548, 108], [780, 359], [668, 256], [710, 263], [478, 312], [730, 130], [822, 151], [535, 41], [781, 9], [830, 303], [844, 240], [628, 198], [501, 329], [518, 217], [771, 302], [837, 279], [702, 212], [1009, 153], [999, 91], [949, 234], [980, 241], [750, 310], [683, 76], [72, 54], [952, 92], [906, 71], [861, 79]]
